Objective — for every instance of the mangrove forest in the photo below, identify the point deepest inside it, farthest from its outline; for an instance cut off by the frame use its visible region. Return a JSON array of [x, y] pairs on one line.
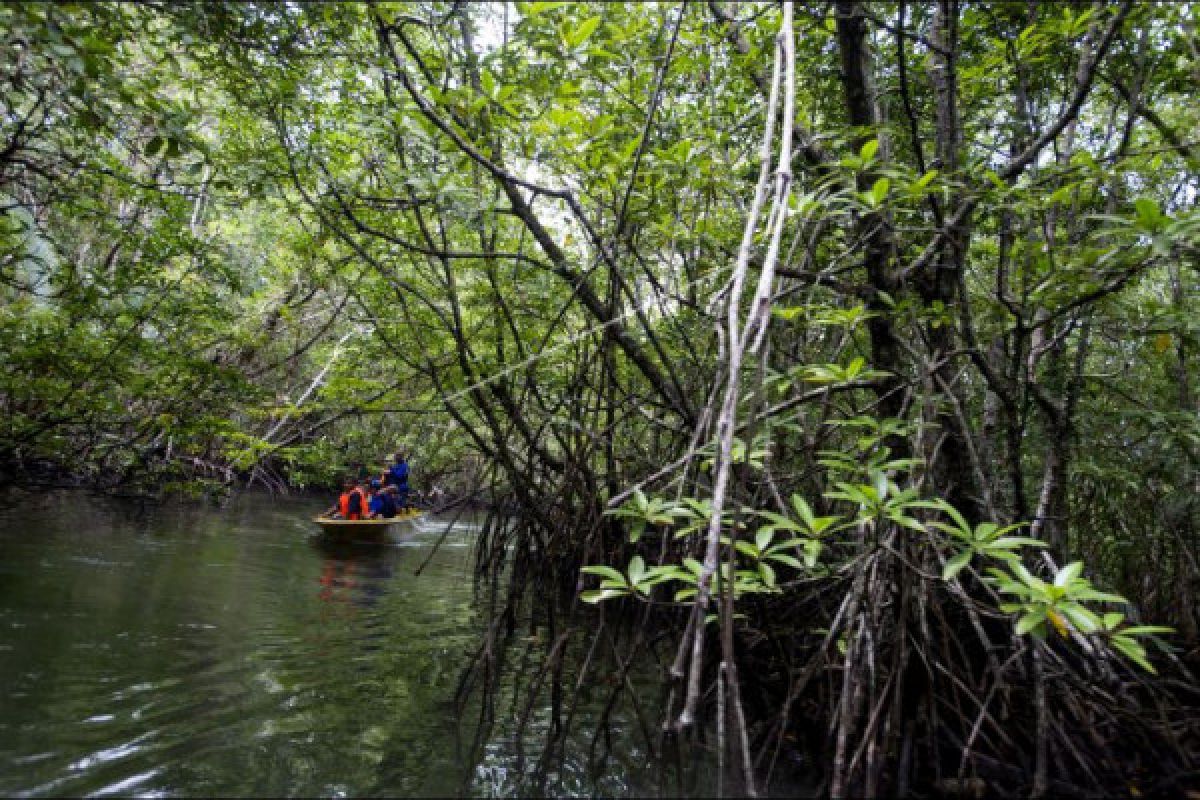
[[802, 398]]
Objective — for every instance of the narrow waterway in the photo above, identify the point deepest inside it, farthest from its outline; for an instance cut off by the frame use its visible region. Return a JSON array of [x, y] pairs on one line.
[[197, 651]]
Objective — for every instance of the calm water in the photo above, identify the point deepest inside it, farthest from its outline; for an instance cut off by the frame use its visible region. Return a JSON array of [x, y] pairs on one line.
[[200, 651]]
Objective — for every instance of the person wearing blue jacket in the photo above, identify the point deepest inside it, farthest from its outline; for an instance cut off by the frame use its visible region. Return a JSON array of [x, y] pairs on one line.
[[397, 475], [383, 503]]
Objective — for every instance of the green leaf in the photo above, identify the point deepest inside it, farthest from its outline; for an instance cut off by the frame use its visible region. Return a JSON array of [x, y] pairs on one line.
[[868, 150], [1146, 630], [745, 548], [950, 511], [1102, 597], [762, 539], [812, 551], [788, 313], [596, 595], [778, 521], [1133, 651], [1062, 194], [819, 525], [535, 8], [657, 575], [985, 530], [924, 180], [1013, 542], [880, 483], [954, 531], [1083, 620], [1148, 213], [956, 564], [1068, 573], [583, 31], [1028, 578], [604, 572], [879, 191], [905, 521], [802, 509], [784, 558], [637, 568], [1030, 621]]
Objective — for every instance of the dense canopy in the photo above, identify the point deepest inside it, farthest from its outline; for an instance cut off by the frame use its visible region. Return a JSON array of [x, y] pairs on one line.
[[838, 358]]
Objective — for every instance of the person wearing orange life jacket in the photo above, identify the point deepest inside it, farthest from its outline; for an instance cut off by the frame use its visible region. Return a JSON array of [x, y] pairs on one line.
[[358, 502], [352, 504]]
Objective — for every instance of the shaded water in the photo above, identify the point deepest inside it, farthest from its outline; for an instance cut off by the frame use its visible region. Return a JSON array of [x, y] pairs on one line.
[[200, 651]]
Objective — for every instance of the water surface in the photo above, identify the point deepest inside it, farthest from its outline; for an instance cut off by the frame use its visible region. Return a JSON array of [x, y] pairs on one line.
[[201, 651]]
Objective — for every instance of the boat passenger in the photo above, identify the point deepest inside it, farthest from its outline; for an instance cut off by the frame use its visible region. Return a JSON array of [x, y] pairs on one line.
[[335, 511], [374, 501], [397, 475], [352, 504], [384, 502]]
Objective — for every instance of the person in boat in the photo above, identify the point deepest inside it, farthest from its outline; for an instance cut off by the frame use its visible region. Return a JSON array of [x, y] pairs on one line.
[[371, 487], [394, 493], [397, 475], [352, 504], [375, 501], [383, 501]]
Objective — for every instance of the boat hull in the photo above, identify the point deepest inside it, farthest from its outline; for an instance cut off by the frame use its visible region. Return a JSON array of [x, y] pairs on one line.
[[373, 530]]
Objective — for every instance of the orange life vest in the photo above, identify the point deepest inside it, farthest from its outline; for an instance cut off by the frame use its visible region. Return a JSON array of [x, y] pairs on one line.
[[344, 504]]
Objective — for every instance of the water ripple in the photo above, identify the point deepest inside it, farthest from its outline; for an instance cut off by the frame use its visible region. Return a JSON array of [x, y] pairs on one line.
[[232, 652]]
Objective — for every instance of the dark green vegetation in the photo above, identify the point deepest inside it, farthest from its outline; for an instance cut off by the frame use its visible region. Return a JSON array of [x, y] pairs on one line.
[[850, 347]]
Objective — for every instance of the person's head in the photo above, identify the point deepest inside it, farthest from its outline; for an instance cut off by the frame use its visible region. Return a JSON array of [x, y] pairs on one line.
[[399, 456], [348, 484], [375, 485]]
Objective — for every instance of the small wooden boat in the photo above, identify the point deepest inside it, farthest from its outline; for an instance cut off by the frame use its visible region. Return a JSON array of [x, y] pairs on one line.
[[375, 530]]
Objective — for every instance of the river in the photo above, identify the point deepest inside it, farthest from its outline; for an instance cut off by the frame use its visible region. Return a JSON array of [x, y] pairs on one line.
[[181, 650]]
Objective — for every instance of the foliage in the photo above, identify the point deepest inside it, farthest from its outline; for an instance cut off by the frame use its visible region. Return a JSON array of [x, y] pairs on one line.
[[255, 243]]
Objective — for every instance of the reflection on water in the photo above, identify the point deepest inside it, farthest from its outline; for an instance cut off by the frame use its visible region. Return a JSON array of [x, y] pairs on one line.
[[192, 651], [354, 573], [196, 651]]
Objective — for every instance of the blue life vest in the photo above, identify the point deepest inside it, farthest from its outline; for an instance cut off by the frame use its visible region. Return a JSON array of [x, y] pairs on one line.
[[387, 505], [377, 503], [398, 473]]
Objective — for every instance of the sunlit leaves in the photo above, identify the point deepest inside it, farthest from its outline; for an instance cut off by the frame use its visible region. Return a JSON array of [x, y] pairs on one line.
[[1061, 605], [985, 540], [877, 194], [579, 34], [1149, 216], [922, 184], [825, 315], [643, 512], [836, 373], [533, 8], [753, 454]]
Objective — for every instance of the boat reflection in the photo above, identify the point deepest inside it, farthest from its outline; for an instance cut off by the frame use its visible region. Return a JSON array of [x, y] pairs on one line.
[[355, 573]]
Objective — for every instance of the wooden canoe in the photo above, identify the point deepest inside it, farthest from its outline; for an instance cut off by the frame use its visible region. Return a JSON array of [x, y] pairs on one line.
[[372, 529]]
